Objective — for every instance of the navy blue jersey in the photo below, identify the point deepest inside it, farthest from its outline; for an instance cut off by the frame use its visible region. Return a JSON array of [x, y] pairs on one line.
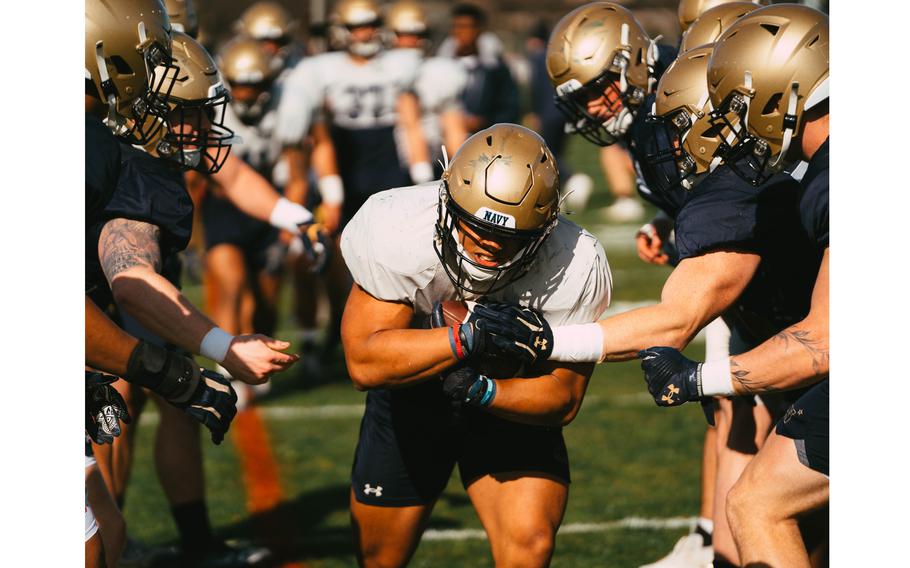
[[150, 190], [813, 198], [102, 167], [645, 138], [723, 212], [657, 180]]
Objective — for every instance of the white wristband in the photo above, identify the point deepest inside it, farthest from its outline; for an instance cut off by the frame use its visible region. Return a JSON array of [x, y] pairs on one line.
[[715, 378], [581, 343], [215, 344], [331, 189], [421, 172], [648, 230], [287, 215]]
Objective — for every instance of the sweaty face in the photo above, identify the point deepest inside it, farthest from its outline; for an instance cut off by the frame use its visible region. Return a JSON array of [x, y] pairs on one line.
[[487, 249]]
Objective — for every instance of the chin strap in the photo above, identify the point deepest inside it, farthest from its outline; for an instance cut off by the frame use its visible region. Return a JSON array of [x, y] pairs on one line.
[[789, 126], [624, 41], [113, 120]]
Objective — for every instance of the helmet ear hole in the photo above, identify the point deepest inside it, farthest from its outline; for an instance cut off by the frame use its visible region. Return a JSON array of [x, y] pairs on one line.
[[773, 104], [120, 65]]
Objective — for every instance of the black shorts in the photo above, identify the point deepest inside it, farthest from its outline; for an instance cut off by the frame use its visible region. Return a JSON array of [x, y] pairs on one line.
[[411, 439], [806, 422], [223, 223]]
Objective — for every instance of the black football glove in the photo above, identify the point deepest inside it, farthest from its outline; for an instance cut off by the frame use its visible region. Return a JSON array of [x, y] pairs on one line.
[[524, 330], [317, 246], [673, 379], [206, 396], [104, 408], [465, 385]]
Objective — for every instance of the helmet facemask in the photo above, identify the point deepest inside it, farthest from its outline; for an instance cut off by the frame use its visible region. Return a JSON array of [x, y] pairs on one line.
[[621, 98], [747, 155], [468, 275], [196, 137]]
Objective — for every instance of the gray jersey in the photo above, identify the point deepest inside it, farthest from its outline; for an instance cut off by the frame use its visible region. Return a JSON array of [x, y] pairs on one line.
[[388, 247]]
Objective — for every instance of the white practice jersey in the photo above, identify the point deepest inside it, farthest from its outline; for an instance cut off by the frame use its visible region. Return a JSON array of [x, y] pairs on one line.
[[352, 96], [388, 247], [438, 84], [259, 147]]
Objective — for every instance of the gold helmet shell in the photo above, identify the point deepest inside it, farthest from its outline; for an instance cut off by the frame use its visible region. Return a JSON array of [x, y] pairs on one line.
[[266, 20], [183, 16], [245, 61], [406, 17], [503, 181], [683, 106], [600, 50], [352, 13], [691, 10], [125, 42], [769, 67], [590, 40], [194, 134], [714, 22]]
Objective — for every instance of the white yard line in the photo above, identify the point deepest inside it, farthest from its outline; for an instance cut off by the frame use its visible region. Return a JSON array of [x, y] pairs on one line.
[[575, 528]]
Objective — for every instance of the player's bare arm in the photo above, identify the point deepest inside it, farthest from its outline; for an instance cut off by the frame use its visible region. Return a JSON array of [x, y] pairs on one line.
[[382, 351], [795, 357], [551, 399], [418, 153], [130, 257], [107, 347], [697, 291]]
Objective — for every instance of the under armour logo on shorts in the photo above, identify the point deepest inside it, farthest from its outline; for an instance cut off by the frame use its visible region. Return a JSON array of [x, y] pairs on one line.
[[377, 491]]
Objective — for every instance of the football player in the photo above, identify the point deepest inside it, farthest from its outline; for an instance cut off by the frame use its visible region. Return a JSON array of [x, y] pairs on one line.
[[438, 83], [183, 16], [270, 24], [735, 263], [490, 94], [432, 400], [789, 476], [144, 223]]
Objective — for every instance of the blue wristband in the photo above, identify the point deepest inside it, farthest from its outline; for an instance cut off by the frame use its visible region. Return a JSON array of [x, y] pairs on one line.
[[490, 392]]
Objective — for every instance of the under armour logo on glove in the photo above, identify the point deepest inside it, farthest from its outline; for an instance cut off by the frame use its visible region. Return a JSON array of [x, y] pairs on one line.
[[377, 491], [672, 390]]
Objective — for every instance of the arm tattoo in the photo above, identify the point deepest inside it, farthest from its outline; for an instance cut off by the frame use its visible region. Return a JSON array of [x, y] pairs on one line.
[[125, 244], [801, 338]]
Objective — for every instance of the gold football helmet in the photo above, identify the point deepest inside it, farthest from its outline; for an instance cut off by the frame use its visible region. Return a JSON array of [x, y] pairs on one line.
[[128, 64], [710, 25], [599, 52], [690, 10], [407, 17], [194, 134], [246, 62], [766, 71], [502, 184], [682, 108], [266, 21], [351, 14], [183, 16]]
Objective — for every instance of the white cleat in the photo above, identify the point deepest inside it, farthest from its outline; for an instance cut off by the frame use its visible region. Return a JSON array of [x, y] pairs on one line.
[[689, 552]]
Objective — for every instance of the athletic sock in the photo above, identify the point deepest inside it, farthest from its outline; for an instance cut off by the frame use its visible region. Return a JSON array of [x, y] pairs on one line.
[[193, 526], [705, 527], [721, 562]]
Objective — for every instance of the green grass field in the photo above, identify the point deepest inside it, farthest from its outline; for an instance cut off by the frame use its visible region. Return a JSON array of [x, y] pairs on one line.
[[629, 459]]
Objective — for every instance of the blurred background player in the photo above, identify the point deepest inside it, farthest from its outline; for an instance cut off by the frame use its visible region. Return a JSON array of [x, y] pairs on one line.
[[270, 24], [490, 95], [360, 95], [439, 83]]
